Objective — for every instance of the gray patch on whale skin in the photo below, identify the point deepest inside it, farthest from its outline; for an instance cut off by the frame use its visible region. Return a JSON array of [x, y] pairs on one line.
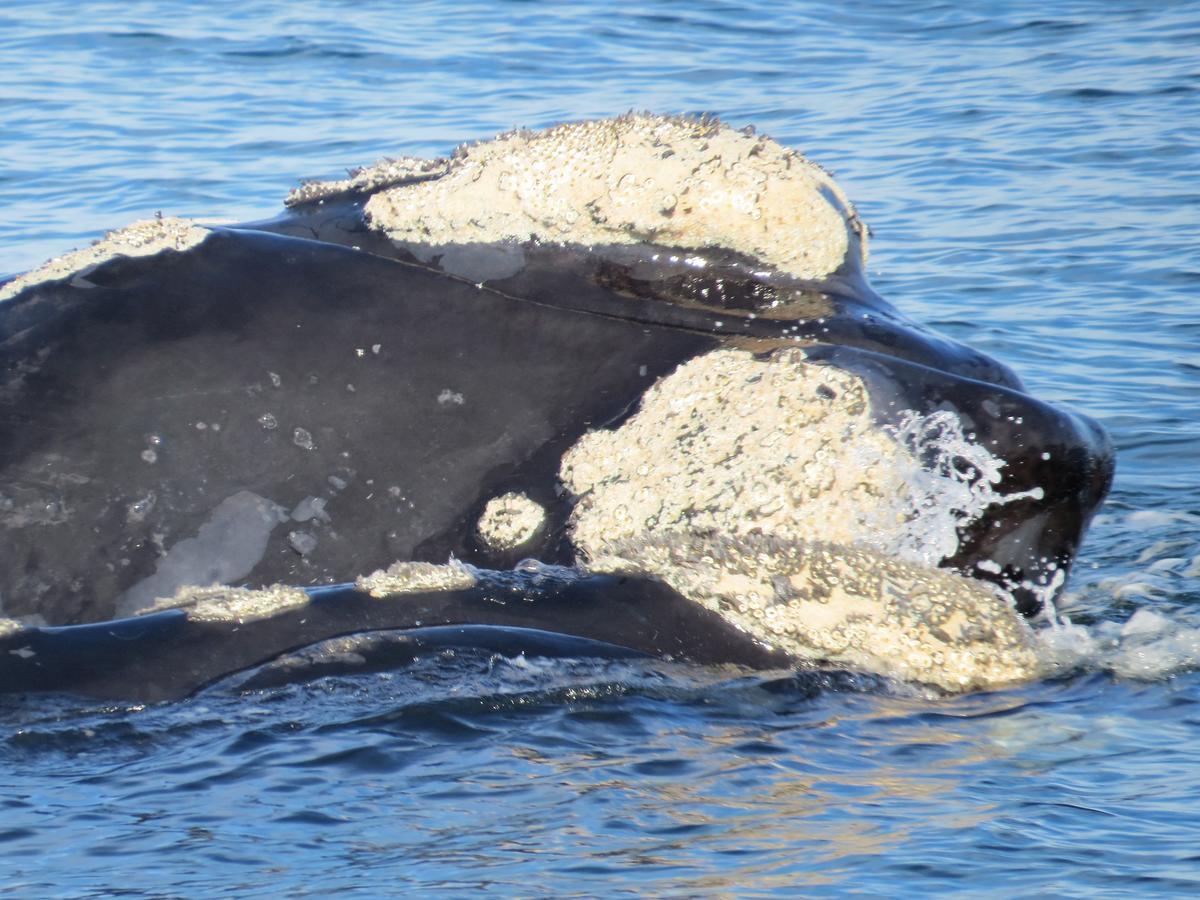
[[474, 262], [310, 508], [227, 547]]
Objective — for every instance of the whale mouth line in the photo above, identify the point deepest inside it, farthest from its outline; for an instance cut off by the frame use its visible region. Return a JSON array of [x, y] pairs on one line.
[[341, 629]]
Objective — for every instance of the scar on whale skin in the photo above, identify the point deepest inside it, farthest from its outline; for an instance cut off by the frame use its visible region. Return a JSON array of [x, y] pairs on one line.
[[678, 385]]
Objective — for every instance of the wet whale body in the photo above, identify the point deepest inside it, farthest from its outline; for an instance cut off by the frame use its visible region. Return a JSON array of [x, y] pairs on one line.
[[620, 386]]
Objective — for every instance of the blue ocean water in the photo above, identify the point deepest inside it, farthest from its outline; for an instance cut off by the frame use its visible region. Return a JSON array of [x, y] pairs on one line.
[[1029, 170]]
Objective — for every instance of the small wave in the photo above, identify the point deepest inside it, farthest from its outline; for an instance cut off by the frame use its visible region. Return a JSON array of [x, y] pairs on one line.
[[1138, 620], [1099, 94], [1149, 646], [297, 48]]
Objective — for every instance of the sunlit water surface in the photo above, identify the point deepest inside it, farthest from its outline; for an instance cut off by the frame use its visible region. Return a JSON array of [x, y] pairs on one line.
[[1030, 174]]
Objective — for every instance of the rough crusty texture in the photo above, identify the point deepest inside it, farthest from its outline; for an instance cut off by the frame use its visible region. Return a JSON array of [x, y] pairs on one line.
[[232, 604], [143, 238], [685, 182], [385, 173], [417, 578], [764, 489], [731, 443], [510, 520], [843, 605]]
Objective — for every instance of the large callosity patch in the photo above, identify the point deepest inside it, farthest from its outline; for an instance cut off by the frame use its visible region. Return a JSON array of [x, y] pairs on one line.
[[683, 182], [763, 488], [848, 606], [733, 443]]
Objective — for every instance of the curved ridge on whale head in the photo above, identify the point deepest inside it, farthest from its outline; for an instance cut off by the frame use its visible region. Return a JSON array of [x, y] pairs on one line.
[[621, 380]]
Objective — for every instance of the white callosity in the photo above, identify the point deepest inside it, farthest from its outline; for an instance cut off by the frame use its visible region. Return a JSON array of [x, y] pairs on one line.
[[684, 182], [732, 443], [417, 578], [10, 626], [740, 450], [385, 173], [509, 521], [232, 604], [844, 605], [144, 238]]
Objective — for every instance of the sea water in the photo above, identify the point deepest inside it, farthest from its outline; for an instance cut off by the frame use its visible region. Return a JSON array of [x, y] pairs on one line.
[[1031, 174]]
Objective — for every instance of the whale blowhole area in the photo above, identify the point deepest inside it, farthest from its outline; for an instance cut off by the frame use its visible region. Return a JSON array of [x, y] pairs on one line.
[[687, 182]]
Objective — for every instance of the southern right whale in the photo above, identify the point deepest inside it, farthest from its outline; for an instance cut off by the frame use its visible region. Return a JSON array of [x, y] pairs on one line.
[[639, 352]]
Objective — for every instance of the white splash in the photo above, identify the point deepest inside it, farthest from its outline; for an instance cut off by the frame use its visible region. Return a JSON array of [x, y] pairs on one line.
[[1160, 638], [951, 481]]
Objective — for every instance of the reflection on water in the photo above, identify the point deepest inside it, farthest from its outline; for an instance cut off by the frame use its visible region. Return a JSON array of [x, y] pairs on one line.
[[670, 775]]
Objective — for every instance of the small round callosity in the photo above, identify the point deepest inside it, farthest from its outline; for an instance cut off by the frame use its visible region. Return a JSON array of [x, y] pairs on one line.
[[510, 521]]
